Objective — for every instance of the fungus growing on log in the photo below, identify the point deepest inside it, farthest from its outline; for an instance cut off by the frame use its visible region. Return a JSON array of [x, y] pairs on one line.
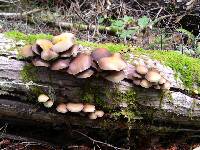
[[48, 103], [92, 116], [60, 64], [99, 53], [43, 98], [74, 107], [26, 51], [48, 55], [62, 108], [44, 44], [88, 108], [40, 63], [141, 69], [115, 76], [153, 76], [99, 113]]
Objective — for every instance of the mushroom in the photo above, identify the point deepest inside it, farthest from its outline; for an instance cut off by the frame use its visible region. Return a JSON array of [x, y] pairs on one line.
[[88, 108], [44, 44], [81, 63], [60, 64], [61, 108], [36, 49], [157, 87], [100, 53], [162, 80], [62, 37], [141, 69], [74, 107], [71, 52], [48, 55], [92, 116], [86, 74], [48, 103], [99, 113], [130, 72], [115, 76], [40, 63], [113, 62], [166, 86], [136, 81], [146, 84], [26, 51], [153, 76], [43, 98]]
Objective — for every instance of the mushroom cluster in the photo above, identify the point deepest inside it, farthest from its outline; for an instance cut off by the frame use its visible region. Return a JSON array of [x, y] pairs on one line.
[[62, 54], [42, 98], [149, 73]]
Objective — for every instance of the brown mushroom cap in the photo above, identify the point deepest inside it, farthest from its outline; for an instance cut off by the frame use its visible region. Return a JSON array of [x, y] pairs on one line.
[[43, 98], [153, 76], [71, 52], [60, 64], [62, 46], [40, 63], [61, 108], [146, 84], [48, 103], [26, 51], [44, 44], [81, 63], [36, 49], [86, 74], [74, 107], [88, 108], [48, 55], [99, 113], [141, 69], [136, 81], [166, 86], [113, 62], [130, 72], [115, 76], [92, 116], [100, 53]]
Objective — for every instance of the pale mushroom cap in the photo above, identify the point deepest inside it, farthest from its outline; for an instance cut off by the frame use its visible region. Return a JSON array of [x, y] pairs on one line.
[[62, 37], [86, 74], [49, 103], [162, 80], [166, 86], [48, 55], [44, 44], [146, 84], [99, 113], [88, 108], [74, 107], [112, 63], [153, 76], [141, 69], [92, 116], [62, 46], [100, 53], [73, 51], [115, 76], [60, 64], [40, 63], [81, 63], [61, 108], [26, 51], [43, 98]]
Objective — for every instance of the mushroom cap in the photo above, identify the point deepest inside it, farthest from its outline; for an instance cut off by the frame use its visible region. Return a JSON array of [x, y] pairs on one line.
[[48, 103], [100, 53], [40, 63], [44, 44], [92, 116], [62, 37], [74, 107], [166, 86], [60, 64], [115, 76], [136, 81], [146, 84], [153, 76], [36, 49], [162, 80], [43, 98], [130, 72], [61, 108], [88, 108], [48, 55], [86, 74], [81, 63], [73, 51], [99, 113], [141, 69], [26, 51], [62, 46], [113, 62]]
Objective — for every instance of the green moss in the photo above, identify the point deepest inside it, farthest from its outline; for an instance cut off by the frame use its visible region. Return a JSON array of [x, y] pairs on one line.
[[28, 73]]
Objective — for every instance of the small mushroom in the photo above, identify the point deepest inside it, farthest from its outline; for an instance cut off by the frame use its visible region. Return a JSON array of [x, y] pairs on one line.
[[86, 74], [99, 113], [81, 63], [60, 64], [88, 108], [48, 103], [113, 62], [62, 46], [130, 72], [146, 84], [141, 69], [92, 116], [100, 53], [115, 76], [153, 76], [74, 107], [44, 44], [61, 108], [26, 51], [166, 86], [162, 80], [36, 49], [48, 55], [40, 63], [62, 37], [43, 98], [71, 52]]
